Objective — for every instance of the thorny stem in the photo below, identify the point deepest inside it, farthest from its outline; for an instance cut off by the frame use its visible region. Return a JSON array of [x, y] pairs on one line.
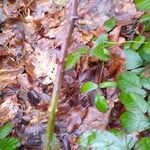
[[69, 26]]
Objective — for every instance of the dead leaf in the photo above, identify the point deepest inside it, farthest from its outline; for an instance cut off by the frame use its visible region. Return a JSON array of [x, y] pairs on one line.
[[95, 119], [8, 109], [8, 76], [42, 62], [116, 65], [76, 118]]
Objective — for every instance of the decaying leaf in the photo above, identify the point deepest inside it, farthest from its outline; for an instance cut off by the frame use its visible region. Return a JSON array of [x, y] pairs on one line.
[[8, 76], [42, 63], [8, 109]]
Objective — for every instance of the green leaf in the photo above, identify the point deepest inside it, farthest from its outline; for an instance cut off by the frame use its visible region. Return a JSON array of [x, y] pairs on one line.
[[138, 70], [148, 105], [9, 143], [97, 139], [100, 53], [109, 84], [130, 82], [101, 103], [144, 18], [88, 87], [101, 39], [118, 133], [127, 45], [5, 130], [74, 57], [144, 52], [54, 143], [146, 21], [127, 139], [134, 122], [147, 26], [145, 81], [133, 59], [133, 102], [82, 50], [143, 5], [143, 144], [104, 140], [110, 24], [139, 39]]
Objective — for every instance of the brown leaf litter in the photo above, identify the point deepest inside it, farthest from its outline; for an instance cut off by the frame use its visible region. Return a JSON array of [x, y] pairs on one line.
[[30, 42]]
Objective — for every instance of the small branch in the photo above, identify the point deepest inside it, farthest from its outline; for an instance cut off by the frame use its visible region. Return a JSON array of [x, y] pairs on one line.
[[52, 109]]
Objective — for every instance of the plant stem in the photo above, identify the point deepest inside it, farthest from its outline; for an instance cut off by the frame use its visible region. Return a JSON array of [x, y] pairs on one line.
[[52, 109]]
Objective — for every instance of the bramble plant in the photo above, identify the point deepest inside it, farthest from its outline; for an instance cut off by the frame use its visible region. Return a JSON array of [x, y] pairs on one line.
[[133, 86]]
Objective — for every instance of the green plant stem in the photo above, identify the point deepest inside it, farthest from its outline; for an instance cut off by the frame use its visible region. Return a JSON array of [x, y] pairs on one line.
[[52, 109]]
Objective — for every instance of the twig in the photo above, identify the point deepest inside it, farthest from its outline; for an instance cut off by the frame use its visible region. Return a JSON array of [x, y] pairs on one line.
[[68, 29]]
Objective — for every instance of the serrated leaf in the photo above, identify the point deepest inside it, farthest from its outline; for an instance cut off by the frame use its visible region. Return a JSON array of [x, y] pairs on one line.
[[74, 57], [88, 87], [101, 103], [9, 143], [133, 102], [5, 130], [97, 139], [132, 122], [143, 144], [101, 53], [130, 82], [138, 70], [139, 39], [145, 81], [133, 59], [143, 5], [104, 140], [110, 24], [144, 52], [127, 139], [108, 84], [101, 39]]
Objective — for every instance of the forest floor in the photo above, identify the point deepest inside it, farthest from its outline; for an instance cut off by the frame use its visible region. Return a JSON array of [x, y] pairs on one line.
[[31, 33]]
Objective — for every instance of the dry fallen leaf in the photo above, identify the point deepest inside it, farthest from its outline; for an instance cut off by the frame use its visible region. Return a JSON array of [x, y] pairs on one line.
[[42, 62], [95, 119], [8, 108], [8, 76]]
